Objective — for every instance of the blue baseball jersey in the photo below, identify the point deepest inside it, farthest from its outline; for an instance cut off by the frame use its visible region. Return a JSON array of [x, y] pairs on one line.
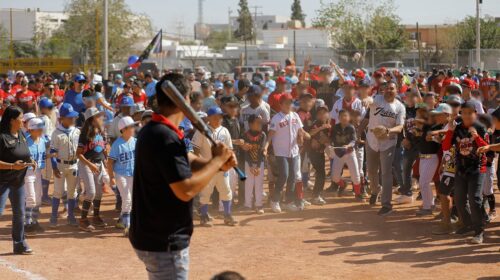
[[123, 153], [38, 151]]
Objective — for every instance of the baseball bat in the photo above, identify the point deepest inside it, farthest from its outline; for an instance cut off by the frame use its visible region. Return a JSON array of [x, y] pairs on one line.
[[197, 122]]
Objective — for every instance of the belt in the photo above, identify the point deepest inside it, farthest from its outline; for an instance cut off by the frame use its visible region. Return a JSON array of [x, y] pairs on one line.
[[426, 155], [96, 161], [68, 162]]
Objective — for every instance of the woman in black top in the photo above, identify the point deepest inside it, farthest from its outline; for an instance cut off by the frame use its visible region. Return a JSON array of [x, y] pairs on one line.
[[14, 160]]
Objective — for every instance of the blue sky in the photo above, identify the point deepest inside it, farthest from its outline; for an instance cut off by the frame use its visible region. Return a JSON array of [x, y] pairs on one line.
[[216, 11]]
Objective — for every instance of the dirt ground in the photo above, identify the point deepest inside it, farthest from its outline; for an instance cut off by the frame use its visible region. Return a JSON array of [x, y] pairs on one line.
[[341, 240]]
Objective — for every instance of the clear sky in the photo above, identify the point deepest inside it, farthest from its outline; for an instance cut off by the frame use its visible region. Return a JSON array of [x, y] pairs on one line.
[[167, 14]]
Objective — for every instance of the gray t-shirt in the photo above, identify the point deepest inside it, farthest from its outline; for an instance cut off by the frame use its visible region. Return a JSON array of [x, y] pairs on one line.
[[261, 110], [388, 115]]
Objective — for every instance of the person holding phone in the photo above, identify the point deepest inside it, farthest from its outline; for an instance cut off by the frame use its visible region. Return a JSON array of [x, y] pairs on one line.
[[14, 160]]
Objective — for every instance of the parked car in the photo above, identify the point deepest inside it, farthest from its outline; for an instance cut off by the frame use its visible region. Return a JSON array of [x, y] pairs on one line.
[[266, 69]]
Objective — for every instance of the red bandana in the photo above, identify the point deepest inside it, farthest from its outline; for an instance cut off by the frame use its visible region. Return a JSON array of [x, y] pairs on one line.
[[161, 119]]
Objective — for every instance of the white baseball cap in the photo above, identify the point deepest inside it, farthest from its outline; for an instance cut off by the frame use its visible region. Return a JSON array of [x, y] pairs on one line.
[[125, 122], [28, 116], [442, 108], [36, 123]]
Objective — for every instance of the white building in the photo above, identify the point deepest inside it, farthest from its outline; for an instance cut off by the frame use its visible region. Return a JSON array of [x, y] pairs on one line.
[[264, 22], [25, 22], [309, 37]]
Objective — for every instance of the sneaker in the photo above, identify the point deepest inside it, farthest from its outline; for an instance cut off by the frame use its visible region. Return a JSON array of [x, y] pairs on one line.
[[125, 232], [464, 230], [419, 196], [373, 199], [341, 192], [98, 222], [404, 199], [306, 203], [22, 249], [63, 214], [275, 207], [492, 215], [477, 238], [205, 221], [301, 205], [119, 224], [46, 201], [53, 223], [229, 220], [72, 222], [86, 226], [260, 210], [29, 229], [365, 195], [318, 201], [423, 212], [291, 207], [384, 211], [443, 229]]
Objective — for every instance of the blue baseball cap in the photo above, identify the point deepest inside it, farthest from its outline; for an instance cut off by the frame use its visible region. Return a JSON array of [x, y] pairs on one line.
[[46, 103], [80, 78], [127, 101], [67, 111], [214, 111]]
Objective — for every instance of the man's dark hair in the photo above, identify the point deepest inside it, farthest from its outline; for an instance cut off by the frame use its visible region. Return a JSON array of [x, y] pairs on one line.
[[195, 96], [245, 83], [228, 275], [98, 87], [179, 81]]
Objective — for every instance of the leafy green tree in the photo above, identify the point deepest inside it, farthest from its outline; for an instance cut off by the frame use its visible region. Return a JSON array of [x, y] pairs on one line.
[[245, 22], [218, 40], [360, 25], [24, 49], [465, 34], [78, 35], [4, 42], [297, 13]]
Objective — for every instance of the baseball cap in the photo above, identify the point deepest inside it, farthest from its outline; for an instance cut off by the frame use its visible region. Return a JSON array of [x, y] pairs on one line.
[[118, 77], [127, 101], [281, 80], [36, 123], [91, 112], [226, 100], [454, 99], [306, 95], [364, 84], [139, 108], [214, 111], [125, 122], [468, 105], [20, 73], [28, 116], [285, 97], [67, 111], [80, 78], [359, 73], [228, 84], [147, 114], [201, 114], [322, 107], [205, 84], [46, 103], [442, 108], [255, 90], [349, 83], [467, 83]]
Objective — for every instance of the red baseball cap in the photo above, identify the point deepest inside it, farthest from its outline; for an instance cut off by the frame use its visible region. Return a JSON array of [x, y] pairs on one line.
[[349, 83], [377, 74], [468, 83], [382, 69], [285, 97], [360, 74], [281, 80]]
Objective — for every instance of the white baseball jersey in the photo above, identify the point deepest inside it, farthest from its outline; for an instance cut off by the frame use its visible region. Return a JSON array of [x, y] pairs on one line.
[[220, 134], [261, 110], [339, 105], [388, 115], [65, 143], [286, 128]]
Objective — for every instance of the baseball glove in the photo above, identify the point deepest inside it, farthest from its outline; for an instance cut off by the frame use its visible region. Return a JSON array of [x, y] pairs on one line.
[[381, 132]]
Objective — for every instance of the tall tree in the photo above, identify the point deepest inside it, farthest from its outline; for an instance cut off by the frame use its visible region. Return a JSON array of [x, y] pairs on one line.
[[78, 34], [465, 34], [297, 13], [245, 22], [4, 42], [359, 25]]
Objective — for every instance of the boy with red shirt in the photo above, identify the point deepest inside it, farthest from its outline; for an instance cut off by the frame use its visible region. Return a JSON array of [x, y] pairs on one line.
[[274, 98], [467, 137], [139, 95], [26, 99]]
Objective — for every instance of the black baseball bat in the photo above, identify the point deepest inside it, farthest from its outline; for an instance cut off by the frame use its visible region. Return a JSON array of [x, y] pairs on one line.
[[197, 122]]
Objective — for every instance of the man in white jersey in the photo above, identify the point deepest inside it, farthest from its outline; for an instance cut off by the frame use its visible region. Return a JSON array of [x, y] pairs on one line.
[[385, 121], [347, 103], [255, 106]]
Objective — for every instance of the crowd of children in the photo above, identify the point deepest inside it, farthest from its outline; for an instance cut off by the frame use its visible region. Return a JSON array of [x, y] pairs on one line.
[[389, 126]]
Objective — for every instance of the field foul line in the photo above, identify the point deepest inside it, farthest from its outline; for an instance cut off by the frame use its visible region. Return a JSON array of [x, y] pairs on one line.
[[29, 275]]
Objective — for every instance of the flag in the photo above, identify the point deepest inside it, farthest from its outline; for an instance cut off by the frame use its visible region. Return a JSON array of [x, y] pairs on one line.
[[158, 47], [155, 44]]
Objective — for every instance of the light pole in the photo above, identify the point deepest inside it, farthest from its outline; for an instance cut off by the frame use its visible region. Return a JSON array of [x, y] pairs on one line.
[[105, 42], [478, 35]]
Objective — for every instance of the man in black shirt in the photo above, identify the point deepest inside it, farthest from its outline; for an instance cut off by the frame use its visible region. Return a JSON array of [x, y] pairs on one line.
[[166, 179]]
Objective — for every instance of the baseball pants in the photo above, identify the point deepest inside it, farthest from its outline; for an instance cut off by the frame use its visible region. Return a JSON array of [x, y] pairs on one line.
[[125, 184], [376, 162], [488, 180], [92, 183], [352, 164], [221, 182], [254, 184], [68, 180], [33, 188], [427, 167], [360, 158]]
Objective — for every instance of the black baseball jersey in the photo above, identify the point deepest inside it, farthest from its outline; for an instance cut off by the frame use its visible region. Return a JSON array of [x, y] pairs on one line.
[[343, 136], [411, 113], [429, 147], [466, 148]]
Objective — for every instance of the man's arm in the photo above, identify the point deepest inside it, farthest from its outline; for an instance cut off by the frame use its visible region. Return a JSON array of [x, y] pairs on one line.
[[203, 171], [270, 135]]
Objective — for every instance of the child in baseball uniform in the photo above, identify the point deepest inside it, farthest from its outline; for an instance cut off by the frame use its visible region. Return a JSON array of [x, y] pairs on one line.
[[121, 168], [488, 192], [37, 145], [320, 138], [48, 116], [344, 140], [255, 140], [63, 145], [203, 148]]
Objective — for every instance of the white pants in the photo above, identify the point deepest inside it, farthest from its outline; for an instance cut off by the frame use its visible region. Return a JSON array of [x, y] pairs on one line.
[[488, 180], [221, 182], [352, 164], [68, 180], [427, 169], [254, 184], [124, 184], [33, 188], [47, 171], [360, 157]]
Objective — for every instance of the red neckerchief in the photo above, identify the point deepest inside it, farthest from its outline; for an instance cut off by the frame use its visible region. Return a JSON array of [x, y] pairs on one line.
[[347, 104], [163, 120]]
